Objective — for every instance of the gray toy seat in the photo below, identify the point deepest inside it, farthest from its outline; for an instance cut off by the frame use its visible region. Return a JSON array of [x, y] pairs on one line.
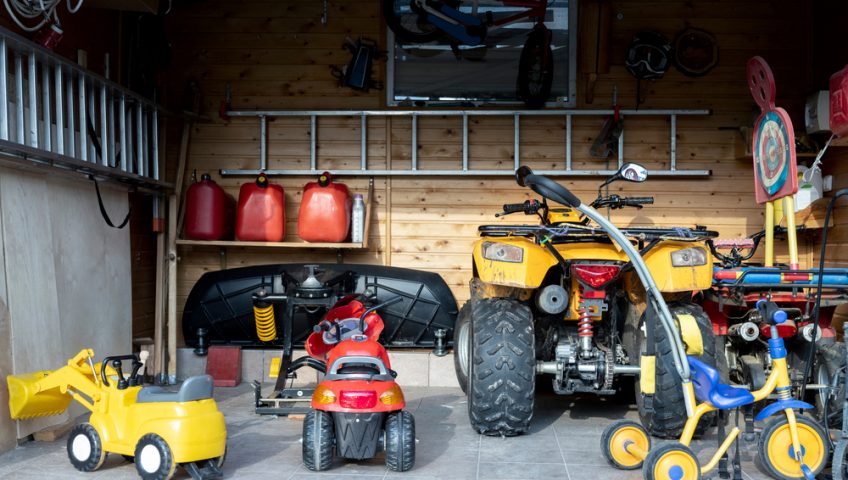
[[194, 388]]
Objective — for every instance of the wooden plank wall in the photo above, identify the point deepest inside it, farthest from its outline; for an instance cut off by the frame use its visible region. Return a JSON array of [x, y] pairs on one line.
[[276, 55]]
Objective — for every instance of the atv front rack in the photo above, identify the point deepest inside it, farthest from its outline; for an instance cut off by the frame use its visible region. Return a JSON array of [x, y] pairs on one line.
[[565, 233]]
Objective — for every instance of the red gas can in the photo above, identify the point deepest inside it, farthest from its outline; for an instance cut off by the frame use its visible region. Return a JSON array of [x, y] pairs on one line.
[[324, 211], [209, 211], [839, 102], [261, 212]]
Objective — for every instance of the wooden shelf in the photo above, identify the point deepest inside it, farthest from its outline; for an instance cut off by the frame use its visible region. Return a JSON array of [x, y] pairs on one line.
[[235, 243]]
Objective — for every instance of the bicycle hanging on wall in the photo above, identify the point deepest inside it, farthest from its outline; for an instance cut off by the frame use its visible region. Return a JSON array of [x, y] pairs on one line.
[[423, 21]]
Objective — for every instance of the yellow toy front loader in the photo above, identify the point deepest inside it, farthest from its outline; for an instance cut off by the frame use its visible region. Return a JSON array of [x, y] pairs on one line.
[[157, 428]]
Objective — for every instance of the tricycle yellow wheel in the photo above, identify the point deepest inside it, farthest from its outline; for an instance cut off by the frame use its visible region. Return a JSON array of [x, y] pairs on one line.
[[671, 461], [617, 437], [776, 452]]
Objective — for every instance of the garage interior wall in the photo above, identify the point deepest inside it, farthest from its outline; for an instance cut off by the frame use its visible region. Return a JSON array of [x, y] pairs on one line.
[[64, 274], [276, 55], [67, 278]]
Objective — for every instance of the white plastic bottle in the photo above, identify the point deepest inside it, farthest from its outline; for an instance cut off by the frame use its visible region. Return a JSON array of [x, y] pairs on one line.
[[357, 225]]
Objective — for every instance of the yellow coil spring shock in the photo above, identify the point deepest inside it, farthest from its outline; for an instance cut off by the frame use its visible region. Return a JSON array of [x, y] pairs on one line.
[[266, 325]]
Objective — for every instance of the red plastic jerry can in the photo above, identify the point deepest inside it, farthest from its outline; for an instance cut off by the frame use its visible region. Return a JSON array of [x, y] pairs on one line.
[[839, 102], [324, 211], [209, 211], [261, 212]]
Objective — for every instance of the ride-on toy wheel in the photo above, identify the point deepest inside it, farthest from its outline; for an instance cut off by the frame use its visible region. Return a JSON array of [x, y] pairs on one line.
[[616, 437], [671, 461], [85, 449], [153, 458], [400, 441], [318, 437], [775, 447]]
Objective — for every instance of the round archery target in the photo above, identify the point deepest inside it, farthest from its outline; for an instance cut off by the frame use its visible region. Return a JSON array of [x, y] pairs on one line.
[[774, 156], [772, 153]]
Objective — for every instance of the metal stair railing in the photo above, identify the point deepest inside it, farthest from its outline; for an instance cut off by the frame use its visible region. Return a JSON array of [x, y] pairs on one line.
[[55, 113], [463, 167]]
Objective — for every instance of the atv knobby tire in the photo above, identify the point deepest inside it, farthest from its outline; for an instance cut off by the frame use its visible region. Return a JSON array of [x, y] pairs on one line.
[[669, 409], [462, 344], [502, 371], [829, 369]]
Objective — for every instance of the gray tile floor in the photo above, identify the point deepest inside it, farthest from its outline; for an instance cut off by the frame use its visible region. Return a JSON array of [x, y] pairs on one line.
[[563, 444]]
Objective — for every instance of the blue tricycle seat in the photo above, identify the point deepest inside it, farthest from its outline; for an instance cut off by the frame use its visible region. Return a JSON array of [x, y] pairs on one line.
[[708, 387]]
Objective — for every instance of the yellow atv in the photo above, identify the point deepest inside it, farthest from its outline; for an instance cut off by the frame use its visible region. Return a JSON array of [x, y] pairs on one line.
[[155, 428], [559, 299]]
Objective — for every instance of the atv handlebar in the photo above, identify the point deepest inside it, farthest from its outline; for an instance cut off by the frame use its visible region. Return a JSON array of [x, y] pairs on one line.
[[638, 201], [546, 187], [615, 202], [529, 207]]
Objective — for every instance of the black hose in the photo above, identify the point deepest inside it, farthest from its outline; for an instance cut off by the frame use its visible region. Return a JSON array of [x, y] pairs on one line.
[[812, 351]]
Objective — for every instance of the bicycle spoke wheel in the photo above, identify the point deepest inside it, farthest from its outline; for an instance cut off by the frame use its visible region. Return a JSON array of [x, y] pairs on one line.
[[408, 22]]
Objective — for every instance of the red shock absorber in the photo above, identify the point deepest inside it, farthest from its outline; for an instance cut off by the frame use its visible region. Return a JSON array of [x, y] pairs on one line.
[[584, 327], [584, 320]]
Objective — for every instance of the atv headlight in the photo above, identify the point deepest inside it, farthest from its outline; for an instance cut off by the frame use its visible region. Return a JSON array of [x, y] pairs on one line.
[[500, 252], [689, 257]]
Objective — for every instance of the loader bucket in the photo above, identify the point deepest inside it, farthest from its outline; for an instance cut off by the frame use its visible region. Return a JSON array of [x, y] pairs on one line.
[[26, 401]]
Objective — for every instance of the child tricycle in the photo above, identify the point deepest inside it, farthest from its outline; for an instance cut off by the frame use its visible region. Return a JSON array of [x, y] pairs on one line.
[[156, 428], [790, 445]]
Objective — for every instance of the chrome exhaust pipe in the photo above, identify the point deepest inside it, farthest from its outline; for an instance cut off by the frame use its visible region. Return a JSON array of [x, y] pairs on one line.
[[747, 331]]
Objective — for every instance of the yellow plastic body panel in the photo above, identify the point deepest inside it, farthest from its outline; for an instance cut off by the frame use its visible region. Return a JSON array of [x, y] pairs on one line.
[[193, 430], [527, 274], [647, 374], [691, 334], [678, 279], [538, 260], [563, 215]]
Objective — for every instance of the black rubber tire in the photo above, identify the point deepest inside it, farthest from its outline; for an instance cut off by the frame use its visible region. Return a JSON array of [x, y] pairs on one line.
[[152, 444], [318, 440], [830, 368], [771, 427], [85, 448], [502, 373], [400, 441], [409, 27], [657, 452], [535, 69], [669, 414], [839, 470], [462, 344], [607, 436]]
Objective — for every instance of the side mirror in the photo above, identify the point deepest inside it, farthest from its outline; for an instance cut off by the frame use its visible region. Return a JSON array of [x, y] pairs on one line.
[[633, 172]]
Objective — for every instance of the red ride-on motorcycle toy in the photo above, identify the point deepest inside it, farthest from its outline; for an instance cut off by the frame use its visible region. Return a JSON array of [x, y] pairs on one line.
[[357, 409]]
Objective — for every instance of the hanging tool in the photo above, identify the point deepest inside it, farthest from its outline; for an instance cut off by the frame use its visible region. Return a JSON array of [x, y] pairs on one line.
[[607, 140]]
